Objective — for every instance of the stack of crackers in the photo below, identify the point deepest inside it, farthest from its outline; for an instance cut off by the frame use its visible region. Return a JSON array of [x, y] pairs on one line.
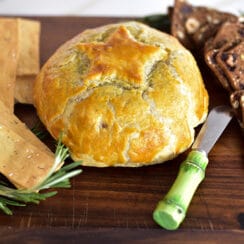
[[19, 59], [219, 38], [24, 159]]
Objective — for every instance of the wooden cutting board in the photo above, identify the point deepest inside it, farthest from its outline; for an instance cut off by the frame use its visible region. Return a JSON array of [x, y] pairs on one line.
[[116, 204]]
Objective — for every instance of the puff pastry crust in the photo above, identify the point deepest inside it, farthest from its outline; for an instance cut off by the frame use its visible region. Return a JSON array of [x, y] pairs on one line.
[[123, 95]]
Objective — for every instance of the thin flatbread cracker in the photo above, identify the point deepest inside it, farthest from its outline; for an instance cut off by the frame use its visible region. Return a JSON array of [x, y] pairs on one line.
[[11, 121], [8, 60], [24, 89], [24, 159], [28, 41], [29, 59], [20, 161]]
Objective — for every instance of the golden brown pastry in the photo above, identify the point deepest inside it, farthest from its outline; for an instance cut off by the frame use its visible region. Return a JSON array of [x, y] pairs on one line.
[[123, 94]]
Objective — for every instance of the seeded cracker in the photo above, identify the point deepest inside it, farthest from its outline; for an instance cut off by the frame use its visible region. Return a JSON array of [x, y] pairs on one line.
[[193, 26], [8, 60]]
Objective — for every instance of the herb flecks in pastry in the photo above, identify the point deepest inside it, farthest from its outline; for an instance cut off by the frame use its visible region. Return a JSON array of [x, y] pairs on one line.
[[111, 58]]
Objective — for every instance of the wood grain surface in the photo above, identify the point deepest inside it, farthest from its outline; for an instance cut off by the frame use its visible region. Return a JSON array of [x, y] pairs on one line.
[[115, 204]]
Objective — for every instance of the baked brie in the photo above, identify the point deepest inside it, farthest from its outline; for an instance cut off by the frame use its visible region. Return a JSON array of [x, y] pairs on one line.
[[122, 95]]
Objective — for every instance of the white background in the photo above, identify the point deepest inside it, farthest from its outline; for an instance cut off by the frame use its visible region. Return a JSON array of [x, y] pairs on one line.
[[105, 7]]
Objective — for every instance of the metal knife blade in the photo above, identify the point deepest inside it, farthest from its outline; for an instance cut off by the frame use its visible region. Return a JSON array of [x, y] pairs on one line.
[[217, 120]]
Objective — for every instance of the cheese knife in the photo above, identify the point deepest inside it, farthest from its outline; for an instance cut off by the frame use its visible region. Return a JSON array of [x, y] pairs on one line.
[[171, 210]]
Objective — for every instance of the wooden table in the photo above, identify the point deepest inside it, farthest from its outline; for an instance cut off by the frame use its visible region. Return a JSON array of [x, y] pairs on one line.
[[114, 205]]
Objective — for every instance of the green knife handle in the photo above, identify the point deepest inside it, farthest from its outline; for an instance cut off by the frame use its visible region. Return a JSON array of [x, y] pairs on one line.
[[171, 211]]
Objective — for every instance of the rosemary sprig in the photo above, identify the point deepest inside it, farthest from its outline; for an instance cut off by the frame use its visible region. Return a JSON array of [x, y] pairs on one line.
[[40, 132], [60, 179]]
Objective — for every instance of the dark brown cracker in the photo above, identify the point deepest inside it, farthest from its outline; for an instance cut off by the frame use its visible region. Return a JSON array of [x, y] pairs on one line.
[[227, 37], [210, 59], [220, 37], [193, 26], [179, 15], [231, 61], [228, 32], [209, 20], [237, 102]]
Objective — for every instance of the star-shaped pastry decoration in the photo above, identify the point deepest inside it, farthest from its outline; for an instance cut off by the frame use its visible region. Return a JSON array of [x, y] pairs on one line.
[[121, 56]]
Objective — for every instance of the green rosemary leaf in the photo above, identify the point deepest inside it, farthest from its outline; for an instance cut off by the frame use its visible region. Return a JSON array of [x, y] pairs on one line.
[[63, 184], [39, 131], [4, 202], [5, 209], [10, 202], [58, 180], [33, 197], [24, 195], [71, 166], [62, 172]]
